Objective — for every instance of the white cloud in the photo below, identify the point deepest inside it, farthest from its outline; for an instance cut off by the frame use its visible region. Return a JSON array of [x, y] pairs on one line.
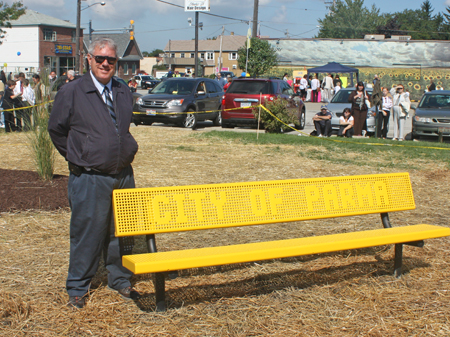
[[280, 15]]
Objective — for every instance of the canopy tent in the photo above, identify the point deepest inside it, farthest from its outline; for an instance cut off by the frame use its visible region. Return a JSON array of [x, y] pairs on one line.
[[334, 67]]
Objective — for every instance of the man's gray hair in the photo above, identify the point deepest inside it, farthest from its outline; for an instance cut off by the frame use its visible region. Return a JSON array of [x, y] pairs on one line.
[[71, 72], [101, 43]]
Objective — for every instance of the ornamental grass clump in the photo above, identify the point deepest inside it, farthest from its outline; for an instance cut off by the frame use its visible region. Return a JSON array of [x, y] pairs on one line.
[[279, 117], [41, 144]]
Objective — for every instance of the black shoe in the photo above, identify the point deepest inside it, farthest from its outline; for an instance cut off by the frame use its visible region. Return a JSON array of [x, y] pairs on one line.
[[128, 293], [76, 302]]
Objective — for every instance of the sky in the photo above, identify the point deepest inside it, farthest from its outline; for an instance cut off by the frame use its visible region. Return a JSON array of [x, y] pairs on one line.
[[156, 23]]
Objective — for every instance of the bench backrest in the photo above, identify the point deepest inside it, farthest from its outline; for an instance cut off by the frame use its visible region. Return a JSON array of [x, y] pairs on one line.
[[142, 211]]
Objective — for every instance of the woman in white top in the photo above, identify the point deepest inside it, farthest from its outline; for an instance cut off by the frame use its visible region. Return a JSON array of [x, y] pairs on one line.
[[384, 114], [315, 88], [346, 122], [28, 99], [401, 105]]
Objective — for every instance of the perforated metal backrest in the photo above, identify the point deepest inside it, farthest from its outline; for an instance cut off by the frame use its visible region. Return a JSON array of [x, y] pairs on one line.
[[170, 209]]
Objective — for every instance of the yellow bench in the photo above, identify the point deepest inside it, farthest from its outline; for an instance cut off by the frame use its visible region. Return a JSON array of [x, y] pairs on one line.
[[149, 211]]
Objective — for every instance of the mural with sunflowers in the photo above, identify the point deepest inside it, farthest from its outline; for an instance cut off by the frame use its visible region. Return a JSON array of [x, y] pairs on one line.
[[415, 80]]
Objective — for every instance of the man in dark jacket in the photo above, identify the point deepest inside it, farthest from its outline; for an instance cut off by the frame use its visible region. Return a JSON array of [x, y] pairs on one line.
[[89, 125]]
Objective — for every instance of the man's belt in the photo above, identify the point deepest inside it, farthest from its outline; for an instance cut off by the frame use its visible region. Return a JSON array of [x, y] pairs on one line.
[[78, 170]]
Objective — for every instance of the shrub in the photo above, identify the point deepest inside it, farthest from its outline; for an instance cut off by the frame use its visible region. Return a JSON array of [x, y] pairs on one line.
[[39, 138], [278, 108]]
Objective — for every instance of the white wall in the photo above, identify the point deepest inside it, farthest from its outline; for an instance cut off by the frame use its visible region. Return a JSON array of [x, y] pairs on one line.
[[24, 40]]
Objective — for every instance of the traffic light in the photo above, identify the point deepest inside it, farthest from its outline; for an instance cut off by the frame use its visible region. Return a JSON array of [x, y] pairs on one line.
[[131, 29]]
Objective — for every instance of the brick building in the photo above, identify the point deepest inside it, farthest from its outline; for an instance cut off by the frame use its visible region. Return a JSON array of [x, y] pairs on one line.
[[179, 55], [35, 41]]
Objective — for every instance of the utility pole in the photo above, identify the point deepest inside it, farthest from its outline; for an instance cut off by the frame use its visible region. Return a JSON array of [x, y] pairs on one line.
[[77, 37], [255, 18], [219, 64], [196, 45]]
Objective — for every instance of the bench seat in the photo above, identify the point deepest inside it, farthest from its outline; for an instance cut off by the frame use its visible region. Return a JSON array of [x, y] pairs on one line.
[[214, 256]]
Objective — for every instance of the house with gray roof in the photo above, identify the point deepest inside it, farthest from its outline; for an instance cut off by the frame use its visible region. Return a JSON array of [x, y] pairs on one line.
[[128, 53], [35, 41], [215, 55]]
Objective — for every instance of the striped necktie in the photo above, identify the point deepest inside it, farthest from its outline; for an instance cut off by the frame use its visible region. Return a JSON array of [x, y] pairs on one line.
[[110, 105]]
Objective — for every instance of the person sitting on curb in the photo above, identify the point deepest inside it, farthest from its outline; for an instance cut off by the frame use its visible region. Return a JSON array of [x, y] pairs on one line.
[[346, 124], [322, 122]]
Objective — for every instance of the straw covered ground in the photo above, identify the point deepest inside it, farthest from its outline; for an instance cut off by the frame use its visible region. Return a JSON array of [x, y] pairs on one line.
[[350, 293]]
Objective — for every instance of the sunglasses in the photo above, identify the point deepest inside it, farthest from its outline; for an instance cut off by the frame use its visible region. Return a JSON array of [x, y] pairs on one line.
[[101, 59]]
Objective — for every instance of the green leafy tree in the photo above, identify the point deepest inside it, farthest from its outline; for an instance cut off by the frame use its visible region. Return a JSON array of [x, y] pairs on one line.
[[261, 57], [156, 52], [350, 19], [8, 13]]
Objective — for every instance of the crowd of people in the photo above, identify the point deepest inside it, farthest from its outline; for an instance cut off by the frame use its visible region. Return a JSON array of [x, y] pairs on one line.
[[16, 92]]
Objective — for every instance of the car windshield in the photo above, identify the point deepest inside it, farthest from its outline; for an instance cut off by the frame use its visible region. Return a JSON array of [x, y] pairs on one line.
[[435, 101], [249, 87], [147, 78], [174, 87], [343, 94]]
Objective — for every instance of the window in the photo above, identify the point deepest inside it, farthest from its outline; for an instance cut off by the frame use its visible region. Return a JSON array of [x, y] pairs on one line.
[[172, 55], [125, 68], [133, 68], [232, 56], [210, 56], [192, 55], [74, 36], [182, 55], [202, 55], [49, 35], [211, 88]]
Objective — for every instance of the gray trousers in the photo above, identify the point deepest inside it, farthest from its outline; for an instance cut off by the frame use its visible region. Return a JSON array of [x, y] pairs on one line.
[[92, 230]]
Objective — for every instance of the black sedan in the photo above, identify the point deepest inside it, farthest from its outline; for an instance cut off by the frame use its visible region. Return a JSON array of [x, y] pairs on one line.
[[181, 101], [148, 81]]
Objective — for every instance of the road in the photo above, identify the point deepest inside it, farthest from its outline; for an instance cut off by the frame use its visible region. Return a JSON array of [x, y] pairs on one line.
[[311, 110]]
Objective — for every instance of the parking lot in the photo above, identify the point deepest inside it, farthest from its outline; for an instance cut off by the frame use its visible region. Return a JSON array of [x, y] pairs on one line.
[[311, 110]]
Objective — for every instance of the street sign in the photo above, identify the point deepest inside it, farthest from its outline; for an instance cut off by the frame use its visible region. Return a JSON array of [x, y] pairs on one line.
[[196, 5]]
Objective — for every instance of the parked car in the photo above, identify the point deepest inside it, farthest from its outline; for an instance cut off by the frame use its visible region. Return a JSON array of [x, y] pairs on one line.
[[135, 94], [226, 73], [340, 101], [432, 115], [175, 101], [148, 81], [245, 92]]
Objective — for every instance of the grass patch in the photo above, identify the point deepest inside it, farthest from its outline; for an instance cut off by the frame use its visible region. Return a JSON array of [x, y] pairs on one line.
[[185, 148], [356, 151]]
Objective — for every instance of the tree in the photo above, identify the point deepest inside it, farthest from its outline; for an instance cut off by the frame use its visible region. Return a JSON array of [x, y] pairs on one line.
[[8, 13], [156, 52], [349, 19], [261, 57]]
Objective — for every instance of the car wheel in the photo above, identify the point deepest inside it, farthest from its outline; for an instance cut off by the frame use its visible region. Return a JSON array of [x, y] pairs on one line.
[[218, 120], [190, 120], [302, 121]]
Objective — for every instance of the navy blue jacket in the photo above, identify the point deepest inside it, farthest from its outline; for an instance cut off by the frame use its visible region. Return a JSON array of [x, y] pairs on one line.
[[83, 132]]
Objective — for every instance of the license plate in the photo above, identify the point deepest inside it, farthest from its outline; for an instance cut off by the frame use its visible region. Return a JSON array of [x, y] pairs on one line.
[[151, 112], [245, 104], [444, 130]]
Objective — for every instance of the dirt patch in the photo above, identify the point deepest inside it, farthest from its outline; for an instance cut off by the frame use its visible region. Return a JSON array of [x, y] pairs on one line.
[[24, 190]]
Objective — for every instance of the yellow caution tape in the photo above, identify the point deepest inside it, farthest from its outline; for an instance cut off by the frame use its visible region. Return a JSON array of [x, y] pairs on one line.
[[28, 107]]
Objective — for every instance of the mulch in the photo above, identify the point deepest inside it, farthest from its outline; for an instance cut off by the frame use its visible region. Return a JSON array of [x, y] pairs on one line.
[[24, 190]]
